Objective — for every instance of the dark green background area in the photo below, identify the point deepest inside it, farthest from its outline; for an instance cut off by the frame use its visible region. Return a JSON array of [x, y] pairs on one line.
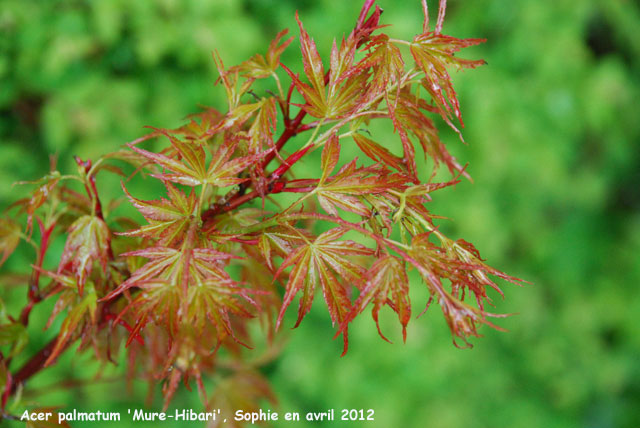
[[552, 130]]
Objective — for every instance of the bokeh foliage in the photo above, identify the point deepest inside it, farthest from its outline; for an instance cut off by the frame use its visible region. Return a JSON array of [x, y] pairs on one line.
[[553, 138]]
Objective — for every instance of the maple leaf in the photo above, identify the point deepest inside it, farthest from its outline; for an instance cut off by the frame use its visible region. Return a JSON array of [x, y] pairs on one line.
[[263, 127], [457, 263], [191, 171], [386, 282], [174, 279], [88, 241], [349, 183], [378, 153], [169, 219], [229, 79], [408, 118], [221, 172], [9, 238], [280, 240], [460, 263], [386, 62], [83, 308], [236, 118], [410, 205], [158, 299], [261, 140], [433, 53], [314, 94], [43, 192], [314, 263], [346, 83], [215, 300], [259, 66], [178, 267], [198, 132]]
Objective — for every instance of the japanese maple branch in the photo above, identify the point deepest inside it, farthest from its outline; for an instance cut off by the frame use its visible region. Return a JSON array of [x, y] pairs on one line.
[[37, 362], [292, 127], [434, 282]]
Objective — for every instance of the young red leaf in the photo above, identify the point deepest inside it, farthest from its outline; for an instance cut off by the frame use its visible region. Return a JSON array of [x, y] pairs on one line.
[[263, 127], [315, 263], [348, 84], [229, 79], [433, 53], [330, 157], [311, 61], [335, 295], [386, 282], [346, 188], [314, 94], [281, 240], [88, 241], [221, 172], [409, 119], [84, 310], [224, 174], [259, 66], [169, 219], [386, 60], [261, 140], [378, 153], [215, 300], [158, 300], [183, 174], [46, 186], [460, 264], [170, 264], [303, 277]]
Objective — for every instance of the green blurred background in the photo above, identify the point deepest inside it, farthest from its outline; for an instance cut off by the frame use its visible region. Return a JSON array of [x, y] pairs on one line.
[[553, 130]]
